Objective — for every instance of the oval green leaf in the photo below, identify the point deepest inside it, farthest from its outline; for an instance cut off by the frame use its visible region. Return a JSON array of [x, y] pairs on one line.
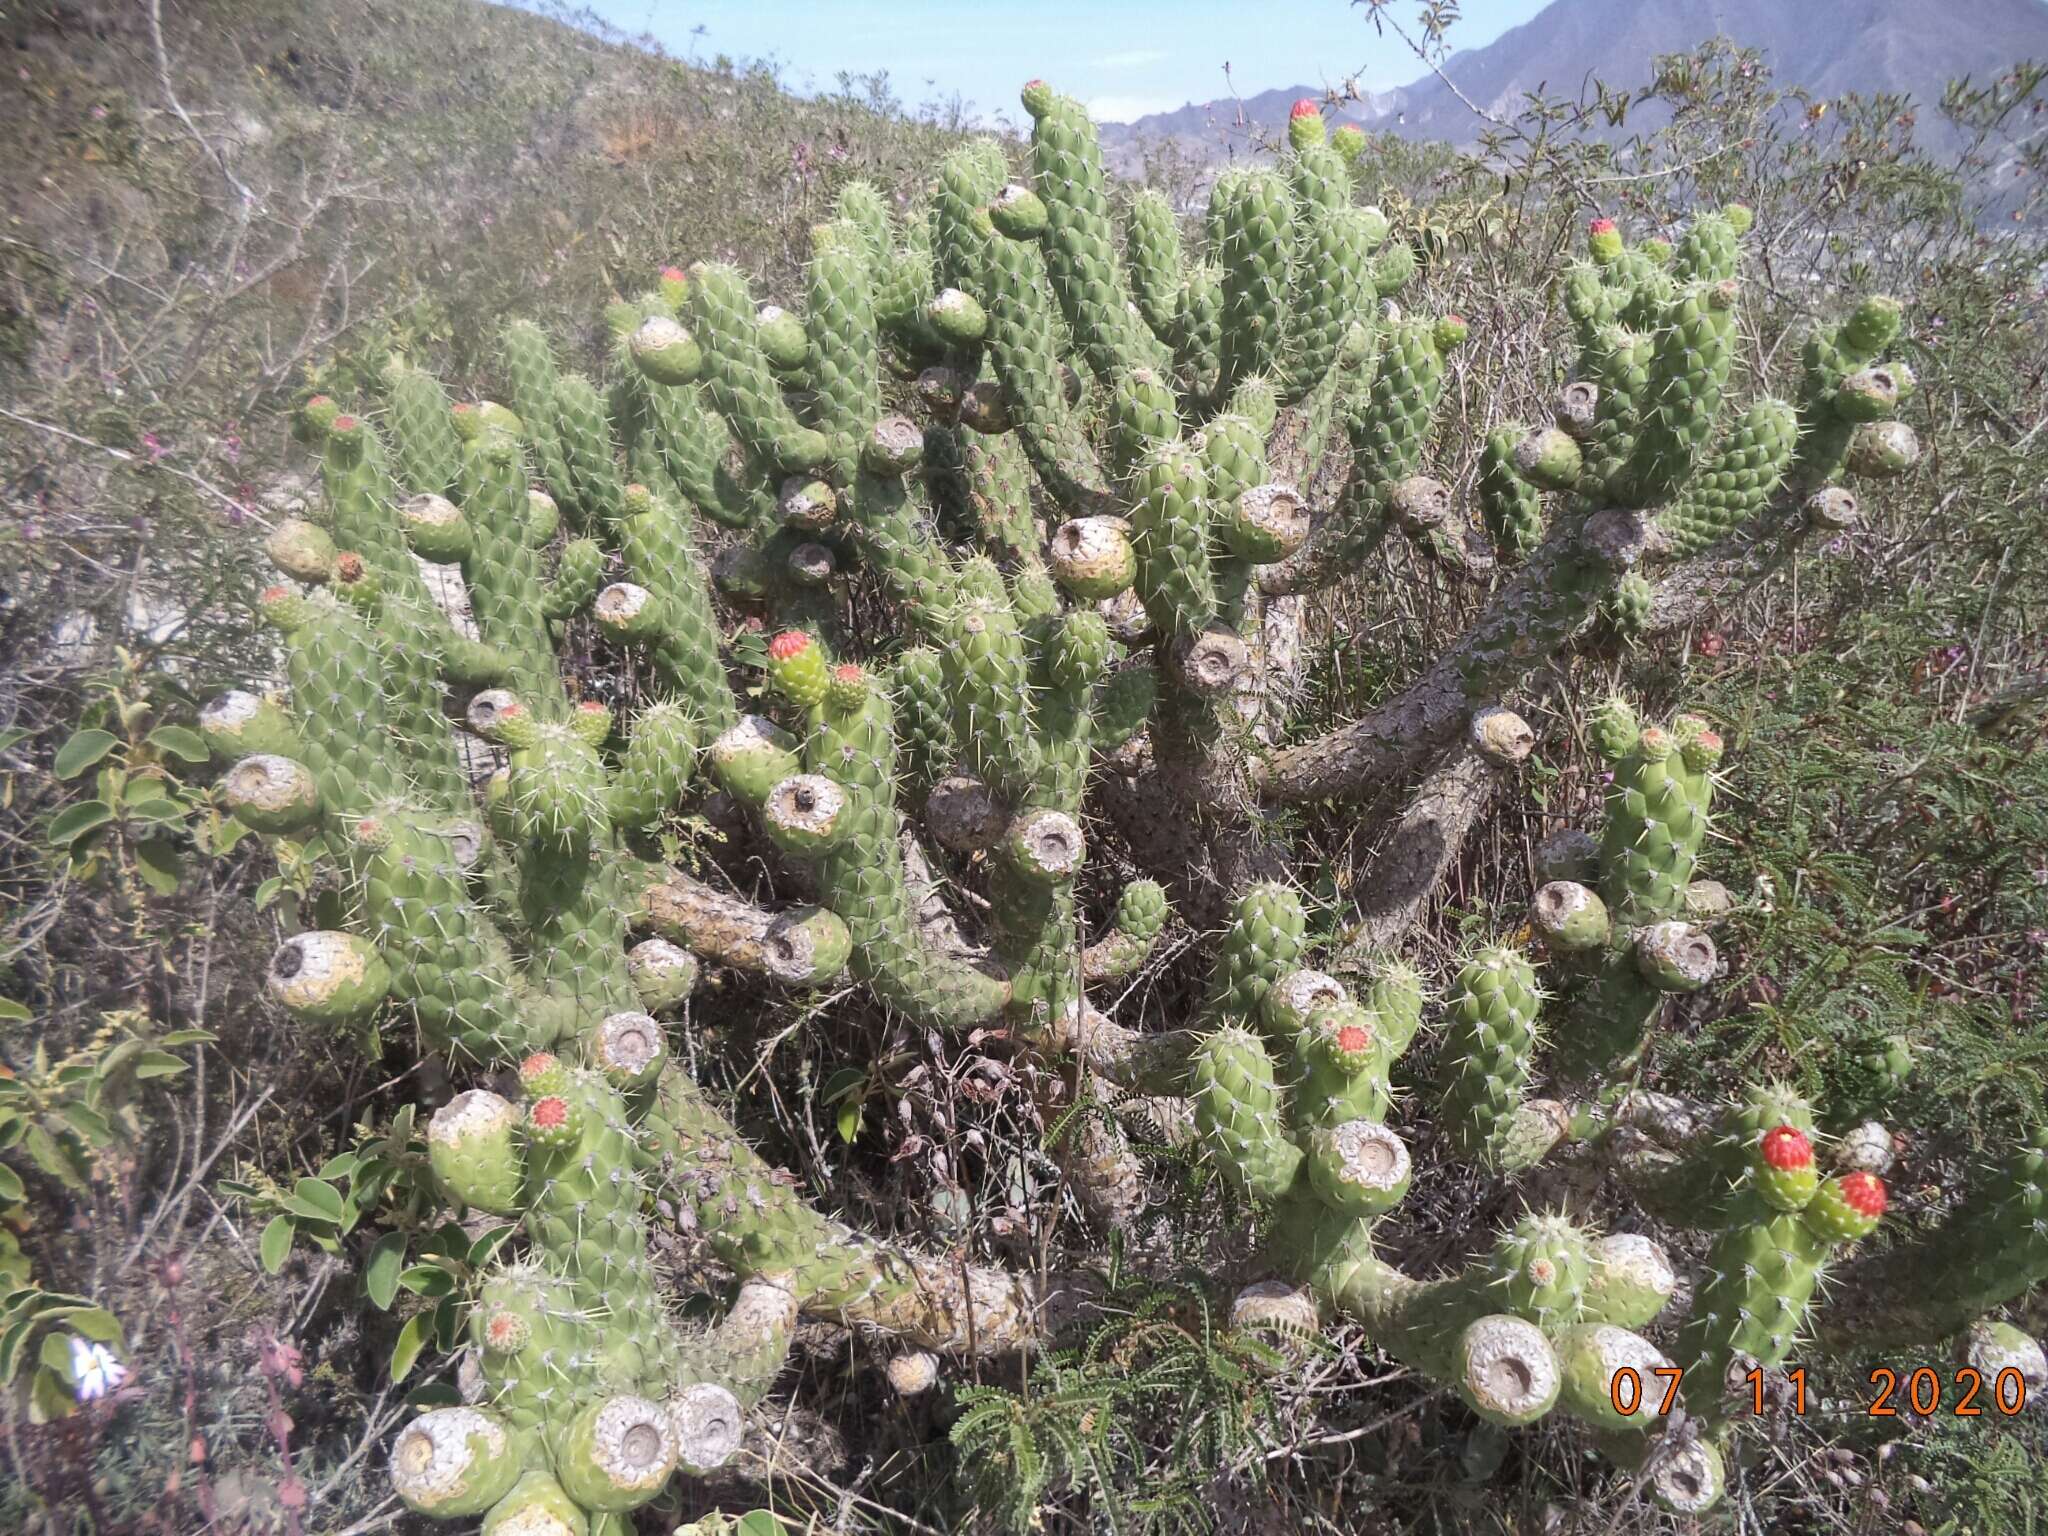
[[276, 1243], [74, 821], [380, 1274], [179, 741], [79, 753], [412, 1338]]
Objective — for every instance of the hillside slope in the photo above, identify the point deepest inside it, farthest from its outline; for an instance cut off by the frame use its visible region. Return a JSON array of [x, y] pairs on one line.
[[469, 155]]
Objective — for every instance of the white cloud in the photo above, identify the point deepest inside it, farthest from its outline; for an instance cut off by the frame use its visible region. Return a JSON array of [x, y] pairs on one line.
[[1127, 109], [1135, 58]]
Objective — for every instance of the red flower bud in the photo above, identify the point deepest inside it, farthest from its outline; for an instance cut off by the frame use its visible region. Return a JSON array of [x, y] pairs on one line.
[[1786, 1146], [1864, 1193], [550, 1112]]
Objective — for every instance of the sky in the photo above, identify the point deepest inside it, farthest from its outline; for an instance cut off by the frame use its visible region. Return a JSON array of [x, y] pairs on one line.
[[1124, 58]]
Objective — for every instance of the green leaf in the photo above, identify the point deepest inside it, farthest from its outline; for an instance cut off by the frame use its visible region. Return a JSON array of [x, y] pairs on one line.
[[449, 1241], [179, 741], [11, 1341], [448, 1322], [412, 1338], [844, 1088], [143, 787], [323, 1198], [160, 867], [428, 1280], [188, 1037], [266, 893], [80, 753], [226, 832], [74, 821], [49, 1397], [56, 1354], [11, 1187], [12, 1012], [155, 808], [119, 1059], [380, 1274], [158, 1064], [483, 1248], [367, 1185], [53, 1159], [49, 1302], [276, 1243], [340, 1166], [759, 1522], [95, 1323], [14, 736], [89, 1123]]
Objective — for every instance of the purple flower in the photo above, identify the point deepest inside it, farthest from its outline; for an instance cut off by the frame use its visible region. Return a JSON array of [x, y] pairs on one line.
[[154, 445], [95, 1369], [99, 114]]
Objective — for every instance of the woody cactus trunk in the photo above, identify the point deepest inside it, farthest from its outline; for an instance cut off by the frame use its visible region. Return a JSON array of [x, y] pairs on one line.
[[1090, 532]]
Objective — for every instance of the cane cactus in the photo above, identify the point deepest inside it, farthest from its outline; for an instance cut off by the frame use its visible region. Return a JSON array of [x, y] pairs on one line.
[[1082, 533]]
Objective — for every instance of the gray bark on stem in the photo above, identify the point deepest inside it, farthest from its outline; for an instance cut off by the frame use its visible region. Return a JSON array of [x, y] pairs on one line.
[[1533, 617], [1410, 865]]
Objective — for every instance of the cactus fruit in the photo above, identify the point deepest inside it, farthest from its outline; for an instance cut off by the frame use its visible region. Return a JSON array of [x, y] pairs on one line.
[[994, 650], [797, 668], [1785, 1175], [1847, 1207], [1343, 1068]]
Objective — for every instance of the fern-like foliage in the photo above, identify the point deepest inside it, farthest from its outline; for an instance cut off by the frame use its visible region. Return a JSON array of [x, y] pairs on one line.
[[1134, 1421], [1907, 895]]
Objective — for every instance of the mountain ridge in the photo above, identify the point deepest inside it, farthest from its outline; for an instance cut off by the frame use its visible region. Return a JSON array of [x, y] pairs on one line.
[[1828, 47]]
